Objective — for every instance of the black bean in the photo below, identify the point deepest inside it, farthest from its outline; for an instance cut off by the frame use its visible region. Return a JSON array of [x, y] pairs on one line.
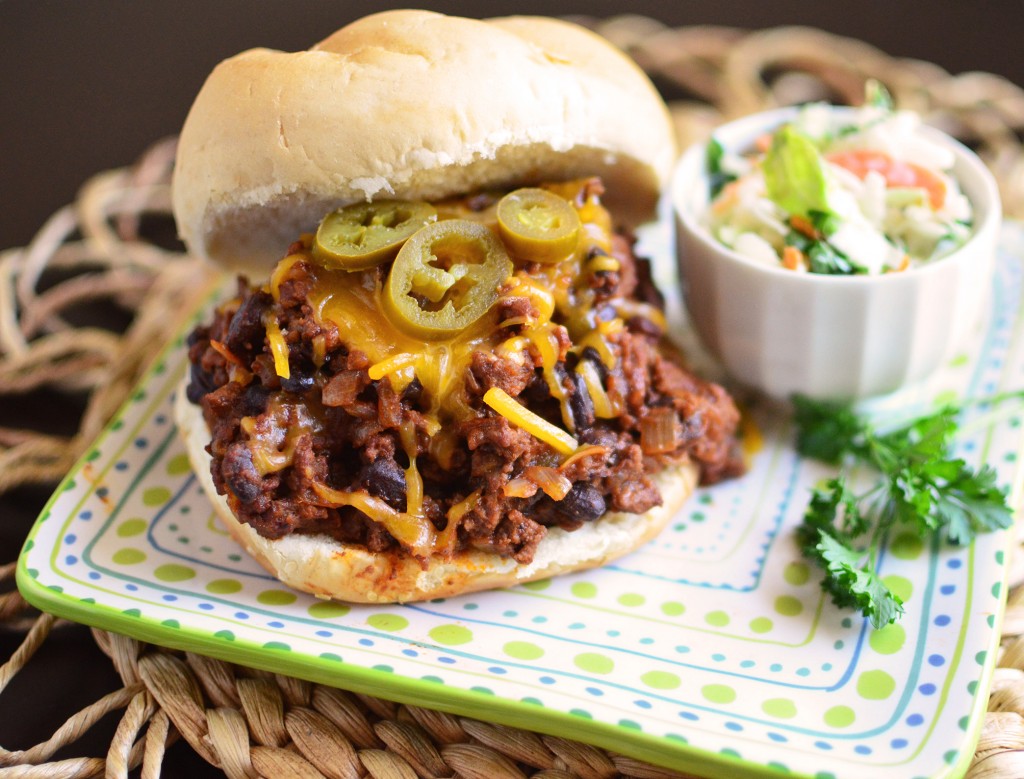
[[641, 325], [200, 384], [591, 354], [645, 288], [480, 202], [254, 399], [583, 502], [300, 370], [240, 474], [385, 479], [537, 391], [196, 335], [412, 392], [246, 331], [580, 404], [600, 436], [694, 426]]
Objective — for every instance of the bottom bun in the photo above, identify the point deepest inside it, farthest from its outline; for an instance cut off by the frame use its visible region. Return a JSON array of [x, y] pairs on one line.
[[327, 568]]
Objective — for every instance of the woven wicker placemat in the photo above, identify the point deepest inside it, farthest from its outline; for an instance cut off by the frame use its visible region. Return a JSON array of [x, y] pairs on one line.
[[252, 723]]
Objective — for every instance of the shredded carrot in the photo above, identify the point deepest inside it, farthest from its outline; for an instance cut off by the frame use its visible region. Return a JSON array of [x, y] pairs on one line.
[[803, 225], [897, 173], [763, 143], [727, 198], [792, 258]]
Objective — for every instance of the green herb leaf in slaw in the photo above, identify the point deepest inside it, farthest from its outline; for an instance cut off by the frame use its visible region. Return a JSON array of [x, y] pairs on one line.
[[713, 160]]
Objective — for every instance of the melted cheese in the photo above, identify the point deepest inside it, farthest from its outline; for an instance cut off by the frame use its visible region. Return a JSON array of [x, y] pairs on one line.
[[353, 303], [415, 533], [278, 347], [274, 437]]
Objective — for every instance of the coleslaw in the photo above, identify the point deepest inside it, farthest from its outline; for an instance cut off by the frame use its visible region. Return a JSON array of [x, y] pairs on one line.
[[846, 192]]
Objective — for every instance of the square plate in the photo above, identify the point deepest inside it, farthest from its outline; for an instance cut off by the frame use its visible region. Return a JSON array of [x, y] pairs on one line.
[[711, 650]]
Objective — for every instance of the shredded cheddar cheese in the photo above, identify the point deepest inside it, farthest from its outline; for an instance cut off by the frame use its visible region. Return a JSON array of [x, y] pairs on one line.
[[280, 272], [522, 417], [278, 348], [391, 364]]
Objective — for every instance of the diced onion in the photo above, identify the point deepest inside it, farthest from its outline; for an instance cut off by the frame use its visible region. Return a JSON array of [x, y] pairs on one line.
[[554, 484], [519, 488], [520, 416], [342, 388], [658, 431]]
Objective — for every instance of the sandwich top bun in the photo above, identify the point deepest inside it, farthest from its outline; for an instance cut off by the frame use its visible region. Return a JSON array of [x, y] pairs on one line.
[[328, 568], [411, 105]]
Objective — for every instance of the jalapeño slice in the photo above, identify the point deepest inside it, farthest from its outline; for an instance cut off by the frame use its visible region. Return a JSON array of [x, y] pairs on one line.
[[538, 225], [445, 277], [362, 235]]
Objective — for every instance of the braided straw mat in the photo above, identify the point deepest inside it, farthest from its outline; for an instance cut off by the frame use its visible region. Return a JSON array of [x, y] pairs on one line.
[[256, 724]]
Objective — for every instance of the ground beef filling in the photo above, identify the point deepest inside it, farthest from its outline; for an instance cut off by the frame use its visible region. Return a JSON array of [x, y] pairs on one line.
[[339, 428]]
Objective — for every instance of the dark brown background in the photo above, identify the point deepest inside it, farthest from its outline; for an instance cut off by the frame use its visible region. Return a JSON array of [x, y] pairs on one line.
[[87, 85]]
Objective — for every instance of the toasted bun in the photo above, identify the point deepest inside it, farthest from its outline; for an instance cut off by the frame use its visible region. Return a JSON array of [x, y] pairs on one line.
[[411, 105], [327, 568]]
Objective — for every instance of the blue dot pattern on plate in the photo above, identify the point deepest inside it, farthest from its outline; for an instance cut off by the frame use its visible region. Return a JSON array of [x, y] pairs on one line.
[[715, 637]]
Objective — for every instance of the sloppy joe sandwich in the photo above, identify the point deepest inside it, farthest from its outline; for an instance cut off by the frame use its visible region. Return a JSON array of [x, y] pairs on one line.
[[449, 372]]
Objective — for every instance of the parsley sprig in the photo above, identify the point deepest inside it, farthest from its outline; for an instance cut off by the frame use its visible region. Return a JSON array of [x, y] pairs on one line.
[[920, 485]]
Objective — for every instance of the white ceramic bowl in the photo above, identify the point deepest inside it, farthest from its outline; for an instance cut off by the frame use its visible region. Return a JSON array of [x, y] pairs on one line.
[[829, 337]]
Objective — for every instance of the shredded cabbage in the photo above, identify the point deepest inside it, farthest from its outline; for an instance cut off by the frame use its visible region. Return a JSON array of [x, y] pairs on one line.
[[844, 193]]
